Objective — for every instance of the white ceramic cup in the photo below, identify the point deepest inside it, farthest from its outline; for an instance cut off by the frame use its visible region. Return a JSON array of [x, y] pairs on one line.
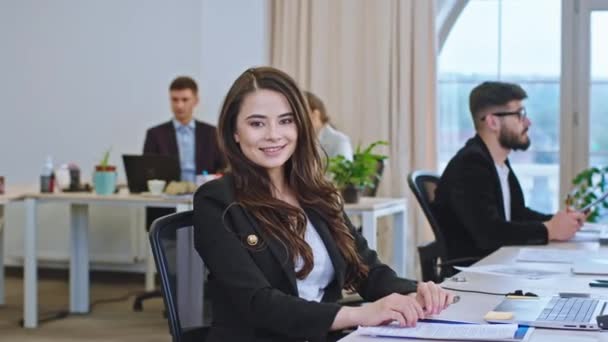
[[156, 186]]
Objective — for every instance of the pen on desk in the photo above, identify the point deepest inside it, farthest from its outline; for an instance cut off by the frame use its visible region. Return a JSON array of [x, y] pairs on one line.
[[596, 284]]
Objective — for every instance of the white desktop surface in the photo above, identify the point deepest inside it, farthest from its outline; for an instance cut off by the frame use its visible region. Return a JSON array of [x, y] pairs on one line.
[[472, 306]]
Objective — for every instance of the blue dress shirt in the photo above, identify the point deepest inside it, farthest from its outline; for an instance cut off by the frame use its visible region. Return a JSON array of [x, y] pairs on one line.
[[186, 145]]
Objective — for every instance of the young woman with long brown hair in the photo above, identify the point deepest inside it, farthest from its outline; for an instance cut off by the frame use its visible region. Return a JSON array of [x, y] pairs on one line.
[[274, 235]]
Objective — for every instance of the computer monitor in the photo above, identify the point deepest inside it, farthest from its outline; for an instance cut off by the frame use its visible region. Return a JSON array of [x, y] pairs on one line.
[[141, 168]]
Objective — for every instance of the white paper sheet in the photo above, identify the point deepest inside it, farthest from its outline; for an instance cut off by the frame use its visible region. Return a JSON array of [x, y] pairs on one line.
[[586, 236], [519, 271], [442, 331], [594, 227], [563, 256]]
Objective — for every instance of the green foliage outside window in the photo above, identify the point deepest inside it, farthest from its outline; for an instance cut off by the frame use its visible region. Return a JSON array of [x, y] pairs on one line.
[[589, 184]]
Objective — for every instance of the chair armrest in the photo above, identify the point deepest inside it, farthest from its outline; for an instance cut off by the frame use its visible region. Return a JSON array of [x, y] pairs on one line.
[[456, 262], [351, 299]]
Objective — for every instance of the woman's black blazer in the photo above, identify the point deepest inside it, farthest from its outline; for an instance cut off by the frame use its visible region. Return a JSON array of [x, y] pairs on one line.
[[253, 285]]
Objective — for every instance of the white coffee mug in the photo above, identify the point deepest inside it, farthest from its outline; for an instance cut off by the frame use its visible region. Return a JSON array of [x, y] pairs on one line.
[[156, 186]]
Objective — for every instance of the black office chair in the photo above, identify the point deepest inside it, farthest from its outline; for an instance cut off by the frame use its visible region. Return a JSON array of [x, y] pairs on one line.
[[433, 256], [151, 215], [163, 238]]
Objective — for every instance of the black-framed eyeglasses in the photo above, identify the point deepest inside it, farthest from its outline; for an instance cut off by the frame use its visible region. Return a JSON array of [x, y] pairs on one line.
[[521, 113]]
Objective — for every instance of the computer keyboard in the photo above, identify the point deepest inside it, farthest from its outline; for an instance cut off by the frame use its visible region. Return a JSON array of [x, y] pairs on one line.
[[569, 309]]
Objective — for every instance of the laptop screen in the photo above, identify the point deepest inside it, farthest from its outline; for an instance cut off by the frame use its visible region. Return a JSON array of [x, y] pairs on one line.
[[141, 168]]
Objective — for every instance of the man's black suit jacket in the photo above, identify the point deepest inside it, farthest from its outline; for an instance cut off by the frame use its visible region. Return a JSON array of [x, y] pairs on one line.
[[161, 140], [253, 288], [469, 206]]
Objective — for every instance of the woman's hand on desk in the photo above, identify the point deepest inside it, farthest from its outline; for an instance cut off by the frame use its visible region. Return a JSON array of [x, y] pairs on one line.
[[433, 298], [403, 309]]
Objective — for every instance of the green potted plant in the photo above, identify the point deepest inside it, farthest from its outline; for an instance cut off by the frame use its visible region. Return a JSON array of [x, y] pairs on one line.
[[104, 178], [351, 177], [589, 184]]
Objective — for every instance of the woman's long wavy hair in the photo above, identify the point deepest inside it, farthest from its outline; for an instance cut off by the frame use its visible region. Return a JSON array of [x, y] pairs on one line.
[[303, 172]]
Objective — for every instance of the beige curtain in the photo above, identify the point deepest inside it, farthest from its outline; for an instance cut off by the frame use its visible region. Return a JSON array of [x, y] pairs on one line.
[[374, 65]]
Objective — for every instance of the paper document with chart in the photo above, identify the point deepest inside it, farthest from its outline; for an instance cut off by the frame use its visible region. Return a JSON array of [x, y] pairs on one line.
[[451, 332]]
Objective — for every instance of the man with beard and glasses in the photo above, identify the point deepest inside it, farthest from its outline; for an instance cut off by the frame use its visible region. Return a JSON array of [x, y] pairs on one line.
[[479, 203]]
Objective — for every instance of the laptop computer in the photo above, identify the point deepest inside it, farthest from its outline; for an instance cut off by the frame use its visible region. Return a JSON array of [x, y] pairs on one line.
[[141, 168], [573, 312]]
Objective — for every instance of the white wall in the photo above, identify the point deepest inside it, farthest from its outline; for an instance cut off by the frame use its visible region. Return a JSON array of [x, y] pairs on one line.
[[79, 76]]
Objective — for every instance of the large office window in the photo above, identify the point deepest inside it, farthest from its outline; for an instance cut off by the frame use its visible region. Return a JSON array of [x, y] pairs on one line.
[[513, 41], [598, 109]]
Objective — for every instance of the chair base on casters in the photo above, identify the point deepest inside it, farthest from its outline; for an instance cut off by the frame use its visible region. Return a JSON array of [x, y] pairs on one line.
[[138, 302]]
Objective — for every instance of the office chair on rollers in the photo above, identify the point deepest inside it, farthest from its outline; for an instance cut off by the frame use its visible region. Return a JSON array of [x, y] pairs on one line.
[[433, 256], [184, 313], [151, 215]]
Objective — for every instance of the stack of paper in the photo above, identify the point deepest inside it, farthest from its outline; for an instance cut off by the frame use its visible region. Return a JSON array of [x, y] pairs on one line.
[[442, 331], [564, 256]]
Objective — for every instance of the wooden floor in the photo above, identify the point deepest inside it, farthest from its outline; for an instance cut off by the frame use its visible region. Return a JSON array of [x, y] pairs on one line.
[[108, 321]]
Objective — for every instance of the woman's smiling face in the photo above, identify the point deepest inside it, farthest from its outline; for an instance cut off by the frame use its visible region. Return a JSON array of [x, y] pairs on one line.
[[266, 129]]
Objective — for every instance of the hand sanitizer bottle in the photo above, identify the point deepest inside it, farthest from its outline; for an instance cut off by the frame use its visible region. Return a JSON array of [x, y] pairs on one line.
[[47, 178]]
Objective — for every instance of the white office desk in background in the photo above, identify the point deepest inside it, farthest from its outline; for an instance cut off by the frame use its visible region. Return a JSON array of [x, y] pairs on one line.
[[79, 242], [472, 306], [371, 209], [12, 193]]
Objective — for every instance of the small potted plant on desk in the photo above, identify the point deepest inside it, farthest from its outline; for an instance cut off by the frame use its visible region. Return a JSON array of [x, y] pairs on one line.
[[589, 185], [104, 178], [351, 177]]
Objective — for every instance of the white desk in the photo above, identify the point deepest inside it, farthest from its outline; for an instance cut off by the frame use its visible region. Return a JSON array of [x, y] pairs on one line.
[[79, 242], [12, 193], [372, 208], [472, 307]]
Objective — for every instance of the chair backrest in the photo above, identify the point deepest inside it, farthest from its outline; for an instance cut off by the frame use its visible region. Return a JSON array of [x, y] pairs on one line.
[[181, 273], [423, 185]]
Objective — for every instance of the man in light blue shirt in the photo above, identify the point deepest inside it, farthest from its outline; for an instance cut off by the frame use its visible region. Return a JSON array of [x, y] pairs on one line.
[[185, 144], [192, 141]]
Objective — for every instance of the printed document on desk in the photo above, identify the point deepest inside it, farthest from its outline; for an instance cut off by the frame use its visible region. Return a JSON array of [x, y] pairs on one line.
[[591, 227], [562, 256], [519, 271], [586, 236], [452, 332]]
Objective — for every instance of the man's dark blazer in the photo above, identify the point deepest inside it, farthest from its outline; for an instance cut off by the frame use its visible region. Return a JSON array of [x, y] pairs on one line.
[[469, 206], [161, 140], [253, 288]]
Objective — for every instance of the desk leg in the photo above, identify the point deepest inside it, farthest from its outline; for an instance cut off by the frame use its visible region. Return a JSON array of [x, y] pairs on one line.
[[150, 266], [400, 240], [79, 259], [370, 229], [150, 271], [2, 254], [30, 268]]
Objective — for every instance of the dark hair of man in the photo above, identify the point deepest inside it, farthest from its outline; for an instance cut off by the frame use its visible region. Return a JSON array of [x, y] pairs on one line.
[[303, 173], [492, 94], [315, 103], [184, 82]]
